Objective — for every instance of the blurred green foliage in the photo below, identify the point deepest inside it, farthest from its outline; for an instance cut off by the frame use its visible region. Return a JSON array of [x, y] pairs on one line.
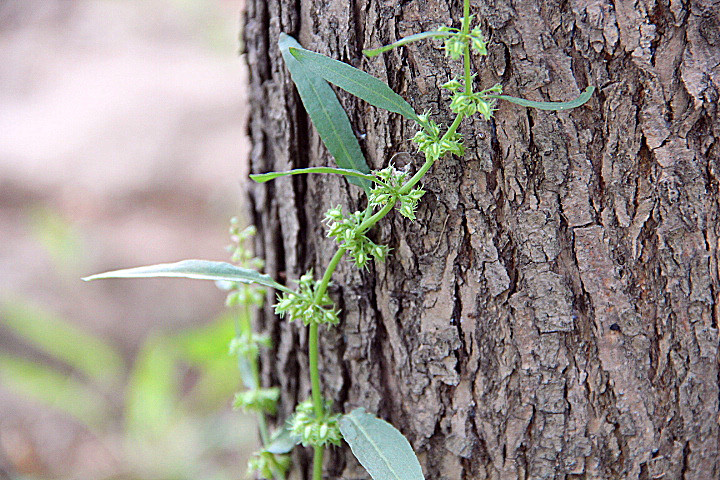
[[172, 389]]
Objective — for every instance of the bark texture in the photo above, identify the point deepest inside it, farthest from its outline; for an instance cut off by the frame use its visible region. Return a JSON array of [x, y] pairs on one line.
[[553, 313]]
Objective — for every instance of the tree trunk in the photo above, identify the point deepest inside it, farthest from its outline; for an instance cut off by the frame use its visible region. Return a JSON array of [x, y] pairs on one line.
[[553, 311]]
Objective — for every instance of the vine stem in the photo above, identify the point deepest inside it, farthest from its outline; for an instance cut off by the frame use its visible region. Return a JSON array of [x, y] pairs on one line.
[[318, 463], [314, 354], [368, 223], [314, 340], [247, 329], [466, 50]]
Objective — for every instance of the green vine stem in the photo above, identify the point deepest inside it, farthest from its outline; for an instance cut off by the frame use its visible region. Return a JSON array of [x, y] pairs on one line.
[[246, 326], [367, 224]]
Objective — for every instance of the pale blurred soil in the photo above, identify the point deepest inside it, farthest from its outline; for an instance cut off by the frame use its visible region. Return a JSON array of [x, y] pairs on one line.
[[122, 126]]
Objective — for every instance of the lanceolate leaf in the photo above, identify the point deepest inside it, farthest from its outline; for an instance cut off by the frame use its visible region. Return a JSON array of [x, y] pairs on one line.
[[197, 269], [403, 41], [326, 113], [354, 81], [379, 447], [266, 177], [584, 97]]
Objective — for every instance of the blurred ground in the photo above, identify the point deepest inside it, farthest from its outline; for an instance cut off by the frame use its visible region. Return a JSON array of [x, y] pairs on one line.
[[121, 143]]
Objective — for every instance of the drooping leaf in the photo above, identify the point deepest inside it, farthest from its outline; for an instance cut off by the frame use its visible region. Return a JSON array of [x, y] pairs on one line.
[[326, 113], [281, 442], [354, 81], [379, 447], [584, 97], [404, 41], [246, 373], [197, 269], [63, 341], [266, 177]]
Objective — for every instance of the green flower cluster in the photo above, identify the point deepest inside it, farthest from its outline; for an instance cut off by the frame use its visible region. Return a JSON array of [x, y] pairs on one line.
[[248, 345], [268, 465], [344, 228], [432, 144], [257, 400], [469, 103], [239, 254], [301, 304], [310, 430], [390, 182], [455, 44], [244, 294]]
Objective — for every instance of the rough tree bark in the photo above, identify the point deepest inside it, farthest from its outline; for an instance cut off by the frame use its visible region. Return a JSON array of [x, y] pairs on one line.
[[553, 313]]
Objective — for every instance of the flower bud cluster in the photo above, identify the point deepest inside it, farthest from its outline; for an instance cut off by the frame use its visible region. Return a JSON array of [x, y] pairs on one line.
[[244, 294], [313, 431], [470, 103], [268, 465], [257, 400], [455, 44], [301, 304], [248, 345], [391, 181], [477, 40], [240, 254], [345, 230], [432, 144]]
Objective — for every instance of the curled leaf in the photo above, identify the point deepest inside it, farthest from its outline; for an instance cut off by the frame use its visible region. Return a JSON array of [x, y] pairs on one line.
[[581, 100]]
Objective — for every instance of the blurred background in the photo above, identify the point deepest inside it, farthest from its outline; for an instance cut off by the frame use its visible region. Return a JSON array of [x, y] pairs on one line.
[[122, 143]]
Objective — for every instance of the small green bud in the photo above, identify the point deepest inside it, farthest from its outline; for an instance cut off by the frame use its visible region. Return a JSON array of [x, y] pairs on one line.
[[407, 211], [416, 194], [453, 85], [361, 259], [323, 433], [485, 109], [477, 41], [258, 399]]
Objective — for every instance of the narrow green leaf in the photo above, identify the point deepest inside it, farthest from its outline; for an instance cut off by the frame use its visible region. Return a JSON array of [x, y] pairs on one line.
[[379, 447], [584, 97], [197, 269], [403, 41], [326, 113], [266, 177], [354, 81]]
